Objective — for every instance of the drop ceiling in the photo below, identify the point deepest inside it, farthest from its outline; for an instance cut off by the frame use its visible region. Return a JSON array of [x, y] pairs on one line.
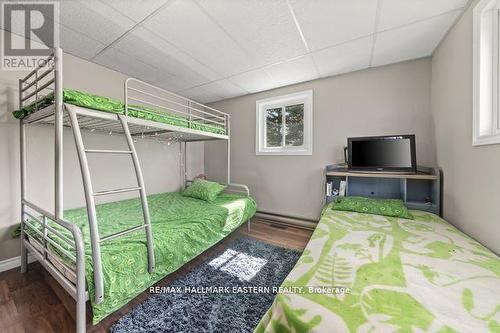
[[211, 50]]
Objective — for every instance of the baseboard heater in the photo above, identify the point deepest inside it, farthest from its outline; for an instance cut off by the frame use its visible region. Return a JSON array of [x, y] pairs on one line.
[[297, 222]]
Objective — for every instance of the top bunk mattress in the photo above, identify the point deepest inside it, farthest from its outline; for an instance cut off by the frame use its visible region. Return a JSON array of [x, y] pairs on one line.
[[182, 227], [105, 104], [388, 274]]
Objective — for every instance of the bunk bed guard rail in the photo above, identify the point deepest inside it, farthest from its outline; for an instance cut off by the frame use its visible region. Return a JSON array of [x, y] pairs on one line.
[[39, 236], [167, 103]]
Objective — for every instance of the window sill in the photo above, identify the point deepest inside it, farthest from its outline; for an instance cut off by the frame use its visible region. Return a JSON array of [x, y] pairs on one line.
[[285, 152], [486, 140]]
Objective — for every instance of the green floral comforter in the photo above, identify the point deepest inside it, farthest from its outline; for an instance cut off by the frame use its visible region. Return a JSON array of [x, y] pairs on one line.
[[392, 275], [105, 104], [182, 229]]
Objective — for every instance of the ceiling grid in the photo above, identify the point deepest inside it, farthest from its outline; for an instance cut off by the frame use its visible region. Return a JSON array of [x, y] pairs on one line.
[[209, 50]]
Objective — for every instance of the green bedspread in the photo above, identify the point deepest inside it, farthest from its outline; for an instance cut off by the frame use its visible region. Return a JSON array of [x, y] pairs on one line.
[[182, 229], [105, 104], [400, 276]]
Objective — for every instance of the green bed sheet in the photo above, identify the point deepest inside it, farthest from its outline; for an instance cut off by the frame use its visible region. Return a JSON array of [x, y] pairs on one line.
[[182, 229], [105, 104], [398, 275]]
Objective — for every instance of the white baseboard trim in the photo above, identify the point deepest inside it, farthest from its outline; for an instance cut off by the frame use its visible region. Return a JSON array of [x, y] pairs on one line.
[[11, 263]]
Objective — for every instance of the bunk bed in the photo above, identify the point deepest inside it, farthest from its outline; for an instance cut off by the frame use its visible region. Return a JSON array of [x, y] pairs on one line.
[[109, 253]]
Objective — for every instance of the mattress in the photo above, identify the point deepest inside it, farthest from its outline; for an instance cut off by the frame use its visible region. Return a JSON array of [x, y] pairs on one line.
[[370, 273], [182, 229], [105, 104]]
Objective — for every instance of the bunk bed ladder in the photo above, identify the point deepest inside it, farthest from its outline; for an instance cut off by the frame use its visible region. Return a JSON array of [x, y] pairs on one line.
[[90, 195]]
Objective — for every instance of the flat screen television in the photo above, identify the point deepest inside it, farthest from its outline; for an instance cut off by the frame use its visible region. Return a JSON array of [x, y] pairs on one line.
[[393, 153]]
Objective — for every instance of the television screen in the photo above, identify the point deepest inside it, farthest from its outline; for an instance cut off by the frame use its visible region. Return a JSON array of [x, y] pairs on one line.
[[382, 153]]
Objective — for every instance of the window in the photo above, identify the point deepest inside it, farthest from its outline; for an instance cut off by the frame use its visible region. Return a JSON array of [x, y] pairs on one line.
[[284, 125], [486, 109]]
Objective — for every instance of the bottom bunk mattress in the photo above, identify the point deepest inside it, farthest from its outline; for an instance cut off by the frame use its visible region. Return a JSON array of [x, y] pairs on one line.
[[371, 273], [182, 227]]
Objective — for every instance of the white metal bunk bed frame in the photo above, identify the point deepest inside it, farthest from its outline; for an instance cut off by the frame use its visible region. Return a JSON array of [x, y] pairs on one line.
[[60, 115]]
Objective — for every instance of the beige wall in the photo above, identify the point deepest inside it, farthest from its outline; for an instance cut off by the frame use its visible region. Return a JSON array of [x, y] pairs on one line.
[[160, 162], [393, 99], [471, 174]]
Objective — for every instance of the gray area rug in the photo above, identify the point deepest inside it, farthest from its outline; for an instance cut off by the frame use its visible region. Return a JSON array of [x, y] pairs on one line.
[[212, 297]]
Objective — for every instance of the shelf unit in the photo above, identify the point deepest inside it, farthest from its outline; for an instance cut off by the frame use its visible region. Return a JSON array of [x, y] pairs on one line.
[[421, 190]]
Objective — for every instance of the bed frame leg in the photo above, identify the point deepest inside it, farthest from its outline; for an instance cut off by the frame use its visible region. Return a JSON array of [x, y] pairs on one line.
[[81, 299], [24, 250], [81, 317], [248, 225], [22, 153], [24, 256]]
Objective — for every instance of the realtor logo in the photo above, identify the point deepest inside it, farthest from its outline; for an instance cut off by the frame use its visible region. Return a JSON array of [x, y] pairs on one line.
[[29, 34]]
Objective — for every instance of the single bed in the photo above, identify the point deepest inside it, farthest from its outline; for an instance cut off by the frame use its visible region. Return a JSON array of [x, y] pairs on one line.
[[105, 104], [392, 275], [183, 228]]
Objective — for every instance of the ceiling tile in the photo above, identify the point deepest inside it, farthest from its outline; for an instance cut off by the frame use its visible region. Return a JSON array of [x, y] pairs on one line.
[[78, 44], [265, 29], [395, 13], [154, 51], [225, 89], [94, 19], [293, 71], [347, 57], [136, 10], [330, 22], [411, 41], [201, 94], [254, 81], [185, 25], [214, 91], [171, 82], [126, 64]]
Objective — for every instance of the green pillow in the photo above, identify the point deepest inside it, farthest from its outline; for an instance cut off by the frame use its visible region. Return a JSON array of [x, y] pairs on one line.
[[204, 190], [386, 207]]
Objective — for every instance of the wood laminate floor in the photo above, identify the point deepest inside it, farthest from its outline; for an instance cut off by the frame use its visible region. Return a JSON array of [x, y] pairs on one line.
[[34, 302]]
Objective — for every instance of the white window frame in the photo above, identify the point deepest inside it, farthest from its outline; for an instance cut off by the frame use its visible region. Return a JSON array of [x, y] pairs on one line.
[[303, 97], [486, 67]]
